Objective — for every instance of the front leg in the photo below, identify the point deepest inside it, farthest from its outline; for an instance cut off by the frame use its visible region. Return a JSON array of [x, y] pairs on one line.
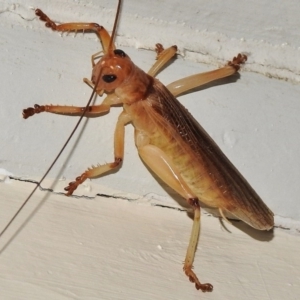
[[102, 33], [92, 111], [92, 172], [186, 84]]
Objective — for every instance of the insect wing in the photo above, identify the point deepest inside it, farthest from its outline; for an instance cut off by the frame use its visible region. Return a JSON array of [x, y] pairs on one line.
[[232, 191]]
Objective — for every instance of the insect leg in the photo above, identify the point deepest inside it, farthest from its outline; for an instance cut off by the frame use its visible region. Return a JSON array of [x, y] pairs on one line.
[[101, 32], [93, 110], [92, 172], [163, 57], [96, 56], [163, 166], [188, 83]]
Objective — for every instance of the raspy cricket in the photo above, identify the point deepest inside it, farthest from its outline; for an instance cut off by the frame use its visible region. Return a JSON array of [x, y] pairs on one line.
[[168, 139]]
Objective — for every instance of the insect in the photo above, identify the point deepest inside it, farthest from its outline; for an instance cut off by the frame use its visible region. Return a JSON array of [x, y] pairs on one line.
[[169, 140]]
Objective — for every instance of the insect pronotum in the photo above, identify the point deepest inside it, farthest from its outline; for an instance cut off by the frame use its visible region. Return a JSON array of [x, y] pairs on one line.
[[169, 140]]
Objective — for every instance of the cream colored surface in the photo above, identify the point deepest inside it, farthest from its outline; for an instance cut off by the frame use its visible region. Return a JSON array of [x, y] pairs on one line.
[[110, 248]]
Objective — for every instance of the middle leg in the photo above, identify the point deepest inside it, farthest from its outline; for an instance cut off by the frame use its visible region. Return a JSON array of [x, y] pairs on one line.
[[163, 57], [97, 171], [191, 82]]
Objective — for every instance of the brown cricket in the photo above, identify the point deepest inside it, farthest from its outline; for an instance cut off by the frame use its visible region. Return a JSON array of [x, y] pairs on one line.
[[169, 140]]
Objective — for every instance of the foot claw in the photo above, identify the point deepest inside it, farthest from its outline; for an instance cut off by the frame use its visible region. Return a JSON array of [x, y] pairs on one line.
[[43, 17], [237, 61], [74, 184], [71, 188], [159, 48], [30, 111], [204, 287]]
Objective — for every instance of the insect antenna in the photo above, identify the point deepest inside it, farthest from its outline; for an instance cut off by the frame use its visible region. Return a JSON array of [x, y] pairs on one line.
[[113, 34], [110, 49]]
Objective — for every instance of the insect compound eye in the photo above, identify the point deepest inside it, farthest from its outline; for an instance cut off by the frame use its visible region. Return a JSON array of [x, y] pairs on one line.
[[109, 78], [119, 52]]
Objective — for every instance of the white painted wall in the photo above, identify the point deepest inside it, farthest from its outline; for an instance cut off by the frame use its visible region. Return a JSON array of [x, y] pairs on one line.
[[255, 120]]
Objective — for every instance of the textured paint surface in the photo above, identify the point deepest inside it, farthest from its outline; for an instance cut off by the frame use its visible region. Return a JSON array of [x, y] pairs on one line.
[[113, 249]]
